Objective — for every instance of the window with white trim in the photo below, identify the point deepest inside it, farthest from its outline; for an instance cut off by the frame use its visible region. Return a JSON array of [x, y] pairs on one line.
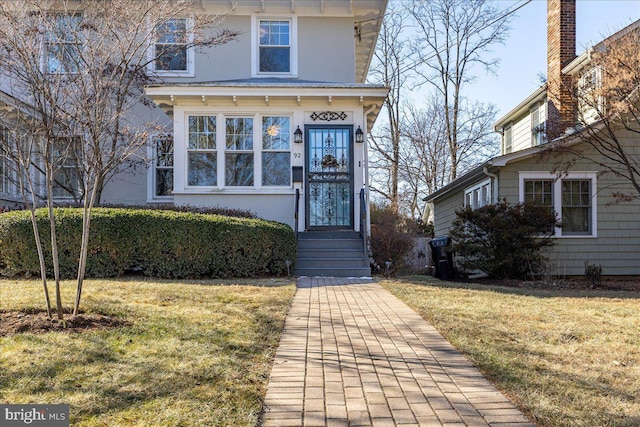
[[479, 195], [62, 44], [276, 151], [508, 140], [573, 197], [538, 127], [67, 182], [590, 101], [202, 157], [239, 157], [274, 45], [5, 170], [163, 166], [171, 52]]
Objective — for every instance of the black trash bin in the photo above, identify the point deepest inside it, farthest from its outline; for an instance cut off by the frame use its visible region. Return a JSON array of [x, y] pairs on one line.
[[442, 257]]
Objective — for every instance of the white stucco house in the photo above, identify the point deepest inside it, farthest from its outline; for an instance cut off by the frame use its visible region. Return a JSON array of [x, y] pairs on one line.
[[275, 122]]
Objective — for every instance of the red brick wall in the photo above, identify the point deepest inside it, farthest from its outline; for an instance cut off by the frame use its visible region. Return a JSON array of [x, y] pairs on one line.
[[561, 49]]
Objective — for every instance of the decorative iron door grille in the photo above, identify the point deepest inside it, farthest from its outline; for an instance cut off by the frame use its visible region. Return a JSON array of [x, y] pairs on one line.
[[330, 177]]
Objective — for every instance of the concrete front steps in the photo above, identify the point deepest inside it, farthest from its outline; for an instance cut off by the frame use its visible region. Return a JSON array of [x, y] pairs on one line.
[[331, 254]]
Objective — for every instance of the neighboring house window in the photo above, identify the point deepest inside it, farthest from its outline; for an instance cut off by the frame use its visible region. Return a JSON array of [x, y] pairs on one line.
[[508, 140], [576, 207], [202, 169], [274, 47], [590, 102], [478, 195], [163, 166], [66, 176], [239, 157], [62, 44], [171, 51], [538, 128], [276, 156], [572, 197]]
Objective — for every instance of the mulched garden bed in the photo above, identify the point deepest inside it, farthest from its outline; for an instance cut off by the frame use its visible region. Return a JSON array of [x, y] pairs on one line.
[[17, 322]]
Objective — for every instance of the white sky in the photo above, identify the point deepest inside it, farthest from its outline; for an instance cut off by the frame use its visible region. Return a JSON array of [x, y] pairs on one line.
[[524, 54]]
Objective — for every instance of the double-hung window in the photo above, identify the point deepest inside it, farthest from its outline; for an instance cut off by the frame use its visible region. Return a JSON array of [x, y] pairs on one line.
[[66, 177], [590, 100], [239, 156], [163, 166], [5, 171], [479, 195], [538, 127], [572, 197], [275, 46], [62, 44], [171, 51], [202, 168], [276, 146], [508, 140]]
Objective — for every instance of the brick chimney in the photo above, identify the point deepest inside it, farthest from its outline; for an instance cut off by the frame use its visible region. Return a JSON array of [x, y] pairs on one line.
[[561, 49]]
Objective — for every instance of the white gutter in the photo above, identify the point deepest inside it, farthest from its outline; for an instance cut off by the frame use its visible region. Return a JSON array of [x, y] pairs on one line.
[[495, 185]]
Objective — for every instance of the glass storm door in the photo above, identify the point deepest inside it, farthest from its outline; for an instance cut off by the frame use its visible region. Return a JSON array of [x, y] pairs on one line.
[[329, 194]]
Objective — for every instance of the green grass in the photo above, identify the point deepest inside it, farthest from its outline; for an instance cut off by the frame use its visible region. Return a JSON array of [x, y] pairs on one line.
[[567, 358], [192, 353]]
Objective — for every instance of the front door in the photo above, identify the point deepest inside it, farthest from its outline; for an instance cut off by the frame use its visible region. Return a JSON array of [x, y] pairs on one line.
[[329, 192]]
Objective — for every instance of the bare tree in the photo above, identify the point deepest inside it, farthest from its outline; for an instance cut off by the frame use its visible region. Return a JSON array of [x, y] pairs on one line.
[[452, 41], [80, 68], [424, 160], [389, 68], [606, 96]]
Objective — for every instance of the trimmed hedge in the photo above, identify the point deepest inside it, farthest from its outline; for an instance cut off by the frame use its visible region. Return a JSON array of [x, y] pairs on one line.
[[162, 244]]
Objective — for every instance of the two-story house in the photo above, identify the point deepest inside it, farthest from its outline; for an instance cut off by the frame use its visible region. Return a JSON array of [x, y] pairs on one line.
[[274, 122], [596, 228]]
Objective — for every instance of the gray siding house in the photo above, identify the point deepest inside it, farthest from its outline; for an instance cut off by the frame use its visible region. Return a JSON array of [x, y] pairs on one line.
[[275, 122], [596, 227]]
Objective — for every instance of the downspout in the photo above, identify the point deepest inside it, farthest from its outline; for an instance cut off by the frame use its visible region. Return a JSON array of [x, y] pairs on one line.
[[494, 178], [366, 168]]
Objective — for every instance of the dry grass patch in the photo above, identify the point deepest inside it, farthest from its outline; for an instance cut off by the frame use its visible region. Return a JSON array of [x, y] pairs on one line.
[[567, 358], [190, 353]]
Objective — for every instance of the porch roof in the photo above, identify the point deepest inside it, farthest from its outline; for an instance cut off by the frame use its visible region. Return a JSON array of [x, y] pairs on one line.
[[370, 96]]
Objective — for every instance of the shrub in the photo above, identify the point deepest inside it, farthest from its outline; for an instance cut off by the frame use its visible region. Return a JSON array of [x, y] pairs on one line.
[[392, 236], [158, 243], [503, 240]]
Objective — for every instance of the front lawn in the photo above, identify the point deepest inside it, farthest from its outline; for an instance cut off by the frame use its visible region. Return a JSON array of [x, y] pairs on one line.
[[188, 353], [567, 358]]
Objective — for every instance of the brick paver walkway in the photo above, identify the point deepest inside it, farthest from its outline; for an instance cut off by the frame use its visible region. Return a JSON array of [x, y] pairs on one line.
[[352, 354]]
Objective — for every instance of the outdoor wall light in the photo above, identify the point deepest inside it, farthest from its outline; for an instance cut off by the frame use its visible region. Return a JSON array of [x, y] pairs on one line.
[[297, 136], [359, 135]]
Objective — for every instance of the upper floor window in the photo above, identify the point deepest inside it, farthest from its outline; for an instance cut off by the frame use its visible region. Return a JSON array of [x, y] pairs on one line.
[[62, 44], [590, 100], [538, 127], [572, 197], [171, 52], [508, 140], [274, 47], [479, 195]]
